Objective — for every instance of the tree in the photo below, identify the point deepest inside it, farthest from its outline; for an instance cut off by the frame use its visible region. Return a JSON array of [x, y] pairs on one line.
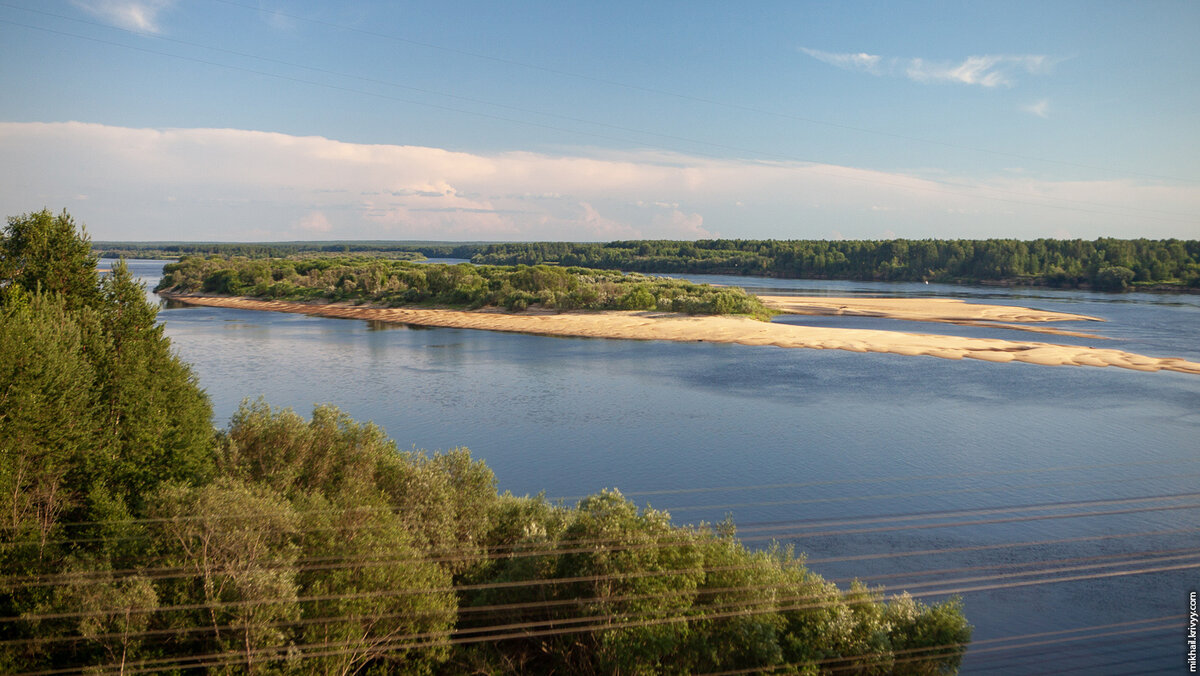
[[41, 251], [1114, 278], [237, 543]]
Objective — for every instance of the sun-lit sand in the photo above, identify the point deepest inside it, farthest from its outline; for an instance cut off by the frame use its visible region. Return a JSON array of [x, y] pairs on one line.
[[727, 329], [943, 310], [915, 309]]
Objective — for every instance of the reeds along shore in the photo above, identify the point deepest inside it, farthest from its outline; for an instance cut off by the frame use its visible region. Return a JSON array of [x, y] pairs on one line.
[[721, 329]]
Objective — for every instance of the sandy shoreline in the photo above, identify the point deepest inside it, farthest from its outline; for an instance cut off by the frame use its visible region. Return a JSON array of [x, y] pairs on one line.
[[726, 329]]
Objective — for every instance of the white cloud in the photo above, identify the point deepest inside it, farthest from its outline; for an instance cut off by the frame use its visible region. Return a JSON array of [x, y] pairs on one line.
[[138, 15], [985, 71], [228, 184], [860, 61], [1039, 108]]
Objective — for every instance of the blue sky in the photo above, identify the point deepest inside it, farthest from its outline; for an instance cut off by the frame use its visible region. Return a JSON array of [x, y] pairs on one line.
[[276, 119]]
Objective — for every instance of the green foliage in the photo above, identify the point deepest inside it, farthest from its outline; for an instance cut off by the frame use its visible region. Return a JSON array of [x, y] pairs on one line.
[[236, 544], [515, 288], [1040, 262], [1114, 278], [665, 599], [43, 252]]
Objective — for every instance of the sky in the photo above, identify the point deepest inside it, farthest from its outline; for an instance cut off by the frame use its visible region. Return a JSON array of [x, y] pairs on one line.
[[267, 120]]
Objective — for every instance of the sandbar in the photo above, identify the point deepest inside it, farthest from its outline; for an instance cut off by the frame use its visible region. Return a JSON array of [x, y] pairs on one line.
[[717, 329], [916, 309], [942, 310]]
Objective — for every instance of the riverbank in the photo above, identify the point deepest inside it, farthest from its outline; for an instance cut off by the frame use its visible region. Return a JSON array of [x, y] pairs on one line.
[[720, 329]]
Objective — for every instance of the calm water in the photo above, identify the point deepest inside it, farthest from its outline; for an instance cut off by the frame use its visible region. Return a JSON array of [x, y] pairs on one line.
[[896, 455]]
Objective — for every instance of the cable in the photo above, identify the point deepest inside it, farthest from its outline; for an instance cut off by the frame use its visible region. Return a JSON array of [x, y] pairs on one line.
[[1053, 567], [1172, 462], [893, 478], [400, 645], [670, 539], [438, 590], [679, 538]]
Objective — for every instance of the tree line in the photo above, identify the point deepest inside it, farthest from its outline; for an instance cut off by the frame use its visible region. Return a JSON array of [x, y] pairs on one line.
[[1104, 264], [396, 283], [136, 537]]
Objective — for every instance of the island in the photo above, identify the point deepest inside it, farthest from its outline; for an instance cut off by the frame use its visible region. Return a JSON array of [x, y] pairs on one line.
[[580, 302]]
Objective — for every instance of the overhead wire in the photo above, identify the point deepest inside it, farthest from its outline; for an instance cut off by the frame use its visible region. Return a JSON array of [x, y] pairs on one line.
[[891, 478], [1050, 567], [471, 587], [791, 530], [408, 644], [668, 540]]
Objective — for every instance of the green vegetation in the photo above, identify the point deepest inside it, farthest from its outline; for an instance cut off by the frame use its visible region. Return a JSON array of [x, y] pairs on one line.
[[468, 286], [1108, 264], [1104, 264], [135, 537]]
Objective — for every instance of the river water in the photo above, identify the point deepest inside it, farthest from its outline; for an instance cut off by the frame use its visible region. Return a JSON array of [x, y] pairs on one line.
[[1032, 490]]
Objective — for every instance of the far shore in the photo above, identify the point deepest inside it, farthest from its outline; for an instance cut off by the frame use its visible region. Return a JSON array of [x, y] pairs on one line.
[[717, 329]]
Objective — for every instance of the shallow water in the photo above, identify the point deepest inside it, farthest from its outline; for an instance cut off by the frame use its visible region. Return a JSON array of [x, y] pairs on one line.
[[785, 439]]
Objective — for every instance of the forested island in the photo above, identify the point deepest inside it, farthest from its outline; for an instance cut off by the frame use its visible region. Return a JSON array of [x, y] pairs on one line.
[[136, 537], [1104, 264], [465, 286]]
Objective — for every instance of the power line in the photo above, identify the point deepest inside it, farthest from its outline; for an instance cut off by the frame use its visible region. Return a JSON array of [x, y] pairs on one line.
[[408, 644], [1049, 567], [779, 530], [536, 582], [895, 478], [666, 540], [924, 478]]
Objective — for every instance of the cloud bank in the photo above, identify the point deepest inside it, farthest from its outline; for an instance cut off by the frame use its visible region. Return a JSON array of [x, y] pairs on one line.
[[237, 185]]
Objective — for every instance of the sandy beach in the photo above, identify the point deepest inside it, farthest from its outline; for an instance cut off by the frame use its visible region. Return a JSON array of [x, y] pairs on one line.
[[724, 329]]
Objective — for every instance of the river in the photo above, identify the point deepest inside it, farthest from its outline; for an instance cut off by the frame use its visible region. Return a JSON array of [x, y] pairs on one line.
[[1034, 490]]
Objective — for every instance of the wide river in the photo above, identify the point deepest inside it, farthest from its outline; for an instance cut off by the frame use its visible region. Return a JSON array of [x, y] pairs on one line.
[[1061, 502]]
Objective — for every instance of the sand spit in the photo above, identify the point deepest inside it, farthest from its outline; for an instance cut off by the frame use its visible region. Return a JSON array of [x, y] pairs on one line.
[[916, 309], [741, 330]]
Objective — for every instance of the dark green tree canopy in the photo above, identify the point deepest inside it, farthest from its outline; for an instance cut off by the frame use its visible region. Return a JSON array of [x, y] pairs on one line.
[[42, 251]]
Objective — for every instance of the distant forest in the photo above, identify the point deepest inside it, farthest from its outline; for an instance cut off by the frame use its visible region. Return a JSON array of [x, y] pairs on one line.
[[1103, 264], [1106, 264]]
